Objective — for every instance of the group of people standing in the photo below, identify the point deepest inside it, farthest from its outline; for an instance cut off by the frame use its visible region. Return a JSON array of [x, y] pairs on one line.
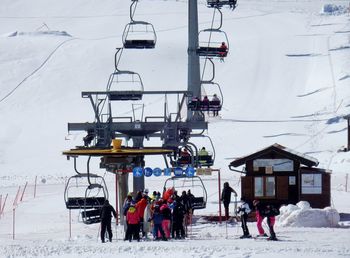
[[164, 216], [167, 215], [262, 210]]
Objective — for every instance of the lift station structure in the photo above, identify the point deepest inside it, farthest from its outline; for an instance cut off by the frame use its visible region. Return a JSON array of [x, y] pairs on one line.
[[173, 128]]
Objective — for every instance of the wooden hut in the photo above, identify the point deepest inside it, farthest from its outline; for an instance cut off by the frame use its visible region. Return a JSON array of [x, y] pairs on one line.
[[279, 175]]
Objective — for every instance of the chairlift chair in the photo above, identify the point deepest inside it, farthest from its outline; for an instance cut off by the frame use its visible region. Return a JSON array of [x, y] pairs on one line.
[[195, 184], [183, 160], [210, 88], [139, 35], [205, 160], [88, 197], [124, 85], [208, 159], [210, 41]]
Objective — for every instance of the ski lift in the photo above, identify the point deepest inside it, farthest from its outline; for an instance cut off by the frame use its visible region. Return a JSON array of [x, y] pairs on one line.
[[124, 85], [184, 156], [89, 197], [139, 35], [195, 184], [127, 84], [220, 3], [86, 192], [211, 43], [205, 157], [196, 158], [212, 102]]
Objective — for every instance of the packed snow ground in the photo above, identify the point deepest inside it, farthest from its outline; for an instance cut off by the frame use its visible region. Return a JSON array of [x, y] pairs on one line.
[[286, 80]]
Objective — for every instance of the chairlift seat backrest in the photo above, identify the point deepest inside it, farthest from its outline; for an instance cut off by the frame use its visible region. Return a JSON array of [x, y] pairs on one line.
[[212, 51], [220, 3], [198, 203], [205, 160], [91, 216], [125, 95], [139, 43], [213, 105], [82, 202]]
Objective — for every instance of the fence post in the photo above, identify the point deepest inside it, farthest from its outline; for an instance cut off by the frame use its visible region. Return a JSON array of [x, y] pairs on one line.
[[16, 198], [13, 223], [25, 186], [36, 177], [3, 206], [70, 224]]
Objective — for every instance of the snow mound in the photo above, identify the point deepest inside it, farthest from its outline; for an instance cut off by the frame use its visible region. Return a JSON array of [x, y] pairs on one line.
[[302, 215], [39, 33], [332, 9]]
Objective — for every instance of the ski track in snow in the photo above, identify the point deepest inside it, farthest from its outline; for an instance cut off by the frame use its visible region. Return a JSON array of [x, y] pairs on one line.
[[303, 55], [337, 131], [344, 77], [284, 134], [313, 92], [35, 70], [340, 48]]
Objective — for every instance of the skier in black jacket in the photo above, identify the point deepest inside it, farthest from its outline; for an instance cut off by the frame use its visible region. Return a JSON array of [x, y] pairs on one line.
[[106, 220], [226, 197], [179, 212]]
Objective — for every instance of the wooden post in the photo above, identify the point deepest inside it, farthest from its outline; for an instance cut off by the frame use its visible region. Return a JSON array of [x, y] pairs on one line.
[[70, 224], [219, 182], [36, 177], [25, 186], [13, 223], [347, 117]]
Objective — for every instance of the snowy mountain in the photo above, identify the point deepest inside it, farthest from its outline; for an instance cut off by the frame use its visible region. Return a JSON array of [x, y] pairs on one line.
[[286, 80]]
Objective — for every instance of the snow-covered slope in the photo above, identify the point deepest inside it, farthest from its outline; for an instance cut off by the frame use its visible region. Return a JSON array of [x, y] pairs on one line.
[[286, 80]]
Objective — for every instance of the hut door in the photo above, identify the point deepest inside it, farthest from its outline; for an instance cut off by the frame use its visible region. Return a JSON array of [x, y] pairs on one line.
[[282, 188]]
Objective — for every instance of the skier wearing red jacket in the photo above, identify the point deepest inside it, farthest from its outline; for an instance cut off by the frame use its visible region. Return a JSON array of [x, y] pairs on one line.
[[133, 219]]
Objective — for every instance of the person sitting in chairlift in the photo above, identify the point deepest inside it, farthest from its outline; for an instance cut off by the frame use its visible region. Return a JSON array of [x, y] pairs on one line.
[[194, 104], [203, 152], [185, 156], [89, 137], [223, 51], [216, 101], [205, 103]]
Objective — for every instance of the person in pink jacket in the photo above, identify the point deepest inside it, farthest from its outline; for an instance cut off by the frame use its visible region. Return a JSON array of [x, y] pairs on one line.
[[133, 219]]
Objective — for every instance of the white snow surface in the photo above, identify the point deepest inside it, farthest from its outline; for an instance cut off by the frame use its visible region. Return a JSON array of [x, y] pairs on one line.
[[285, 80]]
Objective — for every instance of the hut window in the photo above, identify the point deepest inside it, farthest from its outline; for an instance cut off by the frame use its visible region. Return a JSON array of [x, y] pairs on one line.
[[264, 186], [311, 184]]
